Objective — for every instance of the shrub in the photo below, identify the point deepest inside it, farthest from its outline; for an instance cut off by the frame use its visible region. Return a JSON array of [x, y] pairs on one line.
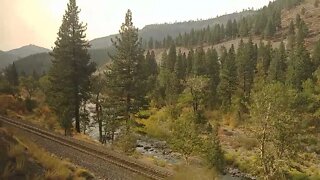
[[159, 162], [158, 124], [214, 152], [82, 173], [30, 104], [127, 143], [247, 143]]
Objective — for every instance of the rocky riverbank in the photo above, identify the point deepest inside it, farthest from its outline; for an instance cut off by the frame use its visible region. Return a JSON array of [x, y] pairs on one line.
[[157, 149]]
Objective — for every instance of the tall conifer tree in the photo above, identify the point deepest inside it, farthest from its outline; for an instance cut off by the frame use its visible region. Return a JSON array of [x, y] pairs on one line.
[[124, 73], [71, 69]]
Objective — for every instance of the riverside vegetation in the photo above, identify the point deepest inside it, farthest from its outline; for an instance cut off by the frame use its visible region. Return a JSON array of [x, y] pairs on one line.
[[254, 106]]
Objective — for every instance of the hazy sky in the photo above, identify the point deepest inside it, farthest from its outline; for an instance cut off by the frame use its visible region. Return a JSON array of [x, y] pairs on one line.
[[24, 22]]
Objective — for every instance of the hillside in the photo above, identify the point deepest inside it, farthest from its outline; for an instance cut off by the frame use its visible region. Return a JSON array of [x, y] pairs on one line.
[[159, 31], [37, 62], [41, 62], [311, 17], [27, 51], [6, 59]]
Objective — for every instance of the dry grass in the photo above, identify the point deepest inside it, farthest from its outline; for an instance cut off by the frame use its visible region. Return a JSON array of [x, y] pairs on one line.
[[55, 167], [311, 17], [8, 102], [15, 150], [194, 173], [85, 138]]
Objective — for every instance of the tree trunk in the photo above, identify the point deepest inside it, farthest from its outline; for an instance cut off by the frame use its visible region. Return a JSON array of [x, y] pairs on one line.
[[128, 113], [98, 114], [266, 167], [77, 113]]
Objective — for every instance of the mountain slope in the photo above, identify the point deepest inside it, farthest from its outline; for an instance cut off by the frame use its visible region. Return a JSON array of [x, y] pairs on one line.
[[27, 51], [6, 59], [37, 62], [42, 62], [311, 16], [159, 31]]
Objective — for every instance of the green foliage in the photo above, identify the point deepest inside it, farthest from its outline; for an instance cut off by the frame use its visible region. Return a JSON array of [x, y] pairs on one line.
[[30, 85], [185, 138], [277, 127], [212, 72], [127, 142], [270, 29], [158, 124], [34, 63], [125, 77], [199, 65], [71, 69], [169, 86], [316, 55], [5, 87], [299, 66], [246, 63], [198, 90], [277, 70], [11, 75], [109, 118], [30, 104], [213, 151], [228, 77]]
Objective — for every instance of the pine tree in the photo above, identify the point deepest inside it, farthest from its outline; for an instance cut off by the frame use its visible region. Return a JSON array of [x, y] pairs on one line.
[[153, 64], [190, 59], [270, 29], [214, 153], [151, 43], [213, 70], [299, 65], [228, 77], [243, 28], [199, 67], [172, 57], [125, 80], [179, 68], [234, 29], [302, 32], [246, 64], [291, 36], [298, 20], [151, 67], [229, 30], [71, 69], [267, 58], [316, 55], [11, 75], [164, 60], [277, 68]]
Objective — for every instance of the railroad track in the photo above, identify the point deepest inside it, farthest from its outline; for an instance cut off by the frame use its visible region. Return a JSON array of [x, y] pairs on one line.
[[148, 171]]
